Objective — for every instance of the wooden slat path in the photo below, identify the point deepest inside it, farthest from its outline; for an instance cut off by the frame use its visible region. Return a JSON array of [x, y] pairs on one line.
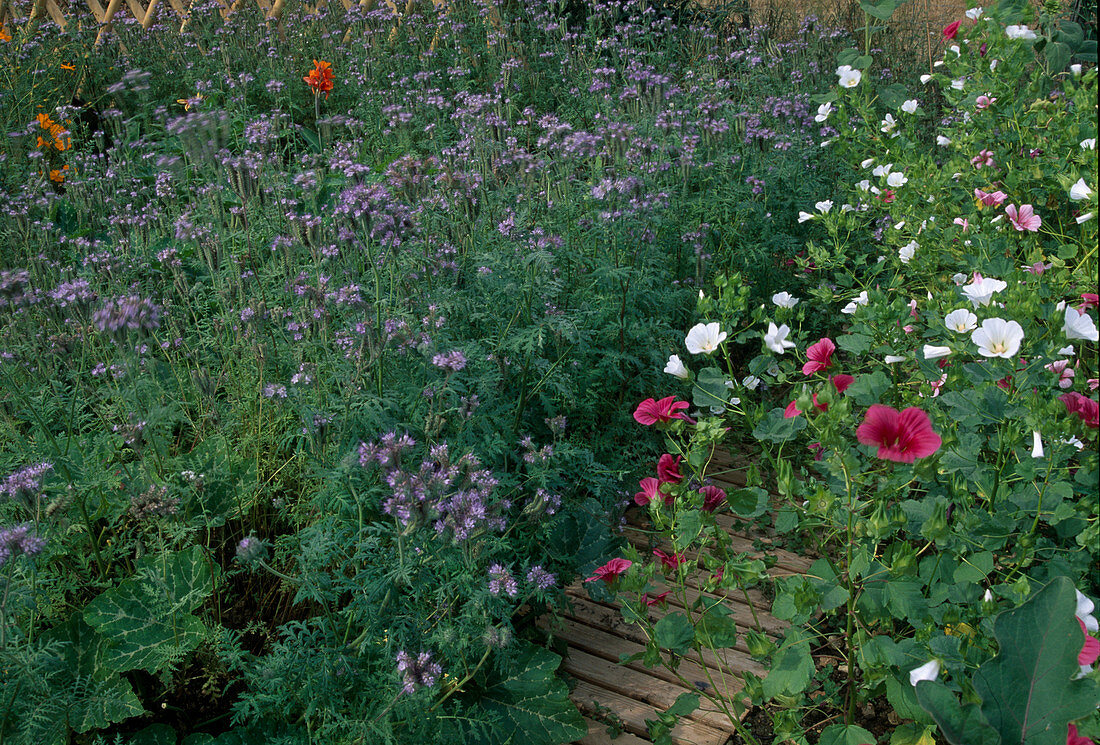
[[598, 637]]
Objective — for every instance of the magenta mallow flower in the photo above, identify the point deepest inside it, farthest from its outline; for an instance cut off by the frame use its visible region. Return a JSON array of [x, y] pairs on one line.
[[901, 436], [820, 356], [650, 491], [951, 29], [650, 412], [668, 469], [611, 571], [713, 497], [990, 199], [1084, 407], [983, 158], [1023, 218]]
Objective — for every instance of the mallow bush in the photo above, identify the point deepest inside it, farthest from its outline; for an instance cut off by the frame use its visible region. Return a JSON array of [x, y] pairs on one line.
[[936, 447]]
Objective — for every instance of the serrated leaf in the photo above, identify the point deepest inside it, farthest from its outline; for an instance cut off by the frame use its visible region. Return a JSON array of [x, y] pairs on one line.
[[750, 502], [774, 427], [792, 666], [532, 703], [868, 388], [716, 628], [1028, 691], [854, 343], [685, 704], [147, 618], [674, 632]]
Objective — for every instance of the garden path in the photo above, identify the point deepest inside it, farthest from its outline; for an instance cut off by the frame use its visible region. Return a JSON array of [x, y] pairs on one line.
[[597, 635]]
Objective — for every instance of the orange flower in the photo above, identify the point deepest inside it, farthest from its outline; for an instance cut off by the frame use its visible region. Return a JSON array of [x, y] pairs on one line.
[[4, 35], [67, 67], [45, 121], [320, 78], [58, 174]]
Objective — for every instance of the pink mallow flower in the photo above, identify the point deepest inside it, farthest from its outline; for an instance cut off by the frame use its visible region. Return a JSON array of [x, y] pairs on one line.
[[1083, 406], [1024, 218], [1089, 300], [984, 158], [611, 571], [951, 29], [901, 436], [649, 492], [670, 562], [990, 199], [668, 469], [650, 412], [820, 356], [1090, 652], [1064, 372], [713, 498], [984, 102]]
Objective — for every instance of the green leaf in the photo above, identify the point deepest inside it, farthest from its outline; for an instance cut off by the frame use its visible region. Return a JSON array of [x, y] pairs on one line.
[[688, 526], [710, 388], [1028, 691], [685, 704], [868, 389], [903, 699], [716, 628], [792, 667], [532, 704], [674, 633], [882, 11], [1057, 55], [856, 344], [775, 428], [960, 724], [147, 618], [845, 734], [894, 95], [750, 502]]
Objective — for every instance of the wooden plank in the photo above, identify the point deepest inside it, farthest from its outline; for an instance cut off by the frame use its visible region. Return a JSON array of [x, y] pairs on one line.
[[609, 618], [597, 735], [787, 563], [639, 686], [634, 713], [599, 643]]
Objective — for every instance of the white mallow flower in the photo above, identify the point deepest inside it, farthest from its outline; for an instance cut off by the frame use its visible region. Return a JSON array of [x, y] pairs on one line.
[[934, 353], [863, 185], [943, 141], [1089, 144], [1076, 70], [1067, 351], [958, 84], [987, 597], [925, 78], [784, 300], [824, 206], [866, 163], [751, 382], [776, 338], [704, 338], [1081, 219], [1036, 444], [1079, 325], [1080, 191], [882, 170], [910, 106], [959, 279], [997, 337], [823, 112], [892, 359], [961, 321], [896, 179], [928, 671], [980, 292], [888, 124], [1084, 610], [906, 252], [847, 208], [974, 13], [1019, 32], [955, 48], [849, 77], [804, 216], [676, 368], [850, 308]]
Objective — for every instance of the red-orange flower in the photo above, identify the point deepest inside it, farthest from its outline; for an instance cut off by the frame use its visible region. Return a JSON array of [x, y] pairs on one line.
[[320, 78], [58, 174]]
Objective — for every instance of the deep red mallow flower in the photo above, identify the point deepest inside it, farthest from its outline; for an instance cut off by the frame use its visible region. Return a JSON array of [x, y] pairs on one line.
[[1072, 738], [841, 382], [951, 29], [668, 469], [656, 599], [650, 412], [820, 356], [901, 436], [1082, 406], [1091, 651], [713, 498], [648, 493], [670, 562], [1090, 300], [611, 571]]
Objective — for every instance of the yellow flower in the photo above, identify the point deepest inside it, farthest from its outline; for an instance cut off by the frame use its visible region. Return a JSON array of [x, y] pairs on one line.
[[186, 103]]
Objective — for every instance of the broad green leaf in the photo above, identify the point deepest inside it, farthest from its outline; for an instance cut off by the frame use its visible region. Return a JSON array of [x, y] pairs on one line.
[[750, 502], [845, 734], [685, 704], [792, 667], [854, 343], [1057, 55], [674, 632], [774, 427], [532, 704], [868, 388], [689, 523], [903, 699], [716, 628], [1028, 691], [147, 618], [959, 724], [710, 388], [881, 11], [913, 734]]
